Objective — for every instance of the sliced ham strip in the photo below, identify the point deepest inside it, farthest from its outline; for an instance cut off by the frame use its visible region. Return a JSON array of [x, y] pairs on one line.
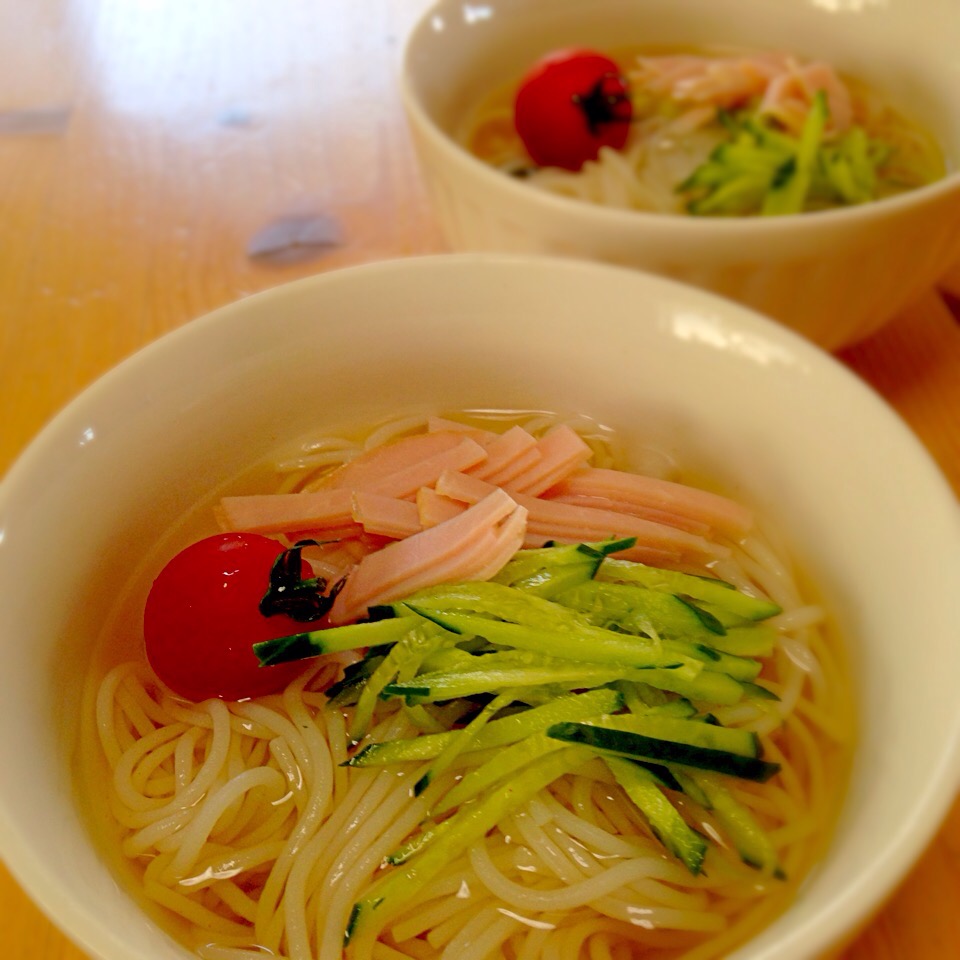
[[524, 461], [465, 547], [375, 464], [406, 482], [326, 534], [463, 487], [386, 516], [511, 453], [555, 520], [724, 515], [506, 541], [636, 510], [326, 510], [331, 510], [561, 452], [434, 508], [790, 95]]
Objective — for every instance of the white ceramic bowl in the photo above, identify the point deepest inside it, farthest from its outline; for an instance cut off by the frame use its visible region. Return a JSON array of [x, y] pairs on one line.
[[835, 277], [771, 416]]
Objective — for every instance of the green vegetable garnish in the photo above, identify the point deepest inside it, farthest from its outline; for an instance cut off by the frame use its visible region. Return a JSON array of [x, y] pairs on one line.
[[569, 657], [762, 170]]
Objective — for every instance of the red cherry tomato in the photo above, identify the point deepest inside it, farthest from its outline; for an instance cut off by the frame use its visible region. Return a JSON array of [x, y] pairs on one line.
[[202, 617], [569, 105]]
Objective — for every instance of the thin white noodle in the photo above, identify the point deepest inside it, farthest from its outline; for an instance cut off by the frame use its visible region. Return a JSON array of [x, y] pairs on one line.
[[212, 951], [194, 835], [392, 430], [481, 936]]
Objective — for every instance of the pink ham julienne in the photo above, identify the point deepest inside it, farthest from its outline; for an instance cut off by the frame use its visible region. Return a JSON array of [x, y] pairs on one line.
[[455, 503]]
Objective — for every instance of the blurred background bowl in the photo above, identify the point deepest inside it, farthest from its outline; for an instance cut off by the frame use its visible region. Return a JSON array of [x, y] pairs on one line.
[[774, 420], [835, 277]]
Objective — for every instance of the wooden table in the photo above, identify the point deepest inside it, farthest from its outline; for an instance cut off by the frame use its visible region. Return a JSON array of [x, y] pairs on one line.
[[145, 145]]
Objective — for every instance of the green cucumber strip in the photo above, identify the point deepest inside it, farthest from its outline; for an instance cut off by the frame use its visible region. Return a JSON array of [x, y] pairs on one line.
[[495, 600], [849, 167], [749, 838], [406, 654], [690, 787], [632, 697], [346, 691], [738, 194], [625, 743], [743, 669], [467, 826], [513, 758], [651, 697], [672, 708], [447, 686], [448, 660], [422, 719], [495, 673], [758, 692], [640, 610], [694, 733], [664, 818], [548, 583], [661, 775], [709, 686], [527, 563], [502, 603], [497, 733], [717, 592], [755, 640], [518, 756], [642, 699], [428, 833], [740, 668], [790, 196], [590, 645], [299, 646], [462, 740], [442, 603]]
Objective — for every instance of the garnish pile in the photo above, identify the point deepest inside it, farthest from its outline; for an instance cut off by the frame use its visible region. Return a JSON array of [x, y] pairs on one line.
[[568, 659]]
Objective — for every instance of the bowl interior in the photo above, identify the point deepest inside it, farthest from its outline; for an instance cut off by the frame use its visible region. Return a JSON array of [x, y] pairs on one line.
[[904, 49], [729, 393]]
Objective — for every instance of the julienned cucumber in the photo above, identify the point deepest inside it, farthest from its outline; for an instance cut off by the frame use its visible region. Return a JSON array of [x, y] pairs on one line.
[[542, 671], [529, 570], [718, 592], [716, 688], [749, 838], [591, 644], [299, 646], [624, 743], [468, 825], [693, 733], [637, 609], [664, 819], [498, 733]]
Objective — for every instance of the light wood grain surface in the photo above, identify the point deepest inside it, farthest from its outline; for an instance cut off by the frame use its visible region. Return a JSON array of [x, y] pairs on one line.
[[145, 144]]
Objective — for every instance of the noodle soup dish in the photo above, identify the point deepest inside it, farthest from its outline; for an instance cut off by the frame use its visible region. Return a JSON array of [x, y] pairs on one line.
[[795, 158], [701, 132], [471, 729], [580, 660]]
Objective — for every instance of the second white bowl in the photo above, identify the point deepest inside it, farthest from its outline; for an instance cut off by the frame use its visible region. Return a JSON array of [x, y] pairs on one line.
[[835, 277]]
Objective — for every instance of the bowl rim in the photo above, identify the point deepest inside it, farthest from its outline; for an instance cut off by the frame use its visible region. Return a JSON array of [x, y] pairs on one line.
[[618, 219], [51, 892]]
